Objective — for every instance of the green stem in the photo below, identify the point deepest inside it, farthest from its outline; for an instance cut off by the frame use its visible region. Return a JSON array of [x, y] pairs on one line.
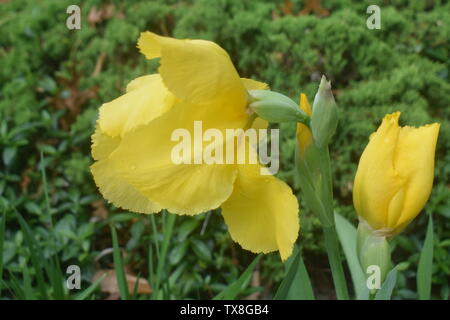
[[168, 228], [318, 192], [331, 237], [332, 246]]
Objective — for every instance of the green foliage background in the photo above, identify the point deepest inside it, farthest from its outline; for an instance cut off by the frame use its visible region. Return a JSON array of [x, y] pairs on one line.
[[404, 66]]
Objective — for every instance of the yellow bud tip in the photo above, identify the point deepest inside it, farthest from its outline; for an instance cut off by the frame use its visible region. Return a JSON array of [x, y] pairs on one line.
[[304, 104]]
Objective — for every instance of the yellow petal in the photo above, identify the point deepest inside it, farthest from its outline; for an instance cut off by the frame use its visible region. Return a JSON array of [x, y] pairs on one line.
[[262, 213], [304, 135], [251, 84], [197, 71], [414, 162], [118, 191], [103, 144], [260, 123], [144, 159], [146, 99], [304, 104], [377, 181]]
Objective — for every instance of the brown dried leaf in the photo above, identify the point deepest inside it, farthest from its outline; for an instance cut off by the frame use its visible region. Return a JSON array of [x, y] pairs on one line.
[[105, 12], [100, 212], [76, 98], [99, 64], [287, 7], [315, 7], [25, 181], [109, 283]]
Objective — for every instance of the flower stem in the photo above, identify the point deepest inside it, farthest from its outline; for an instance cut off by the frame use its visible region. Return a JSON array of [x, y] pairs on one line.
[[332, 246], [318, 192], [331, 238], [169, 221]]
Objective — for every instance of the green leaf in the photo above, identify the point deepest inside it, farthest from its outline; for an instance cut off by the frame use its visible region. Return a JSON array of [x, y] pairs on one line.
[[364, 294], [167, 235], [36, 256], [8, 155], [425, 269], [294, 267], [118, 266], [347, 236], [201, 250], [240, 284], [178, 252], [2, 239], [45, 185], [136, 286], [89, 290], [385, 292], [301, 288], [56, 278], [16, 287]]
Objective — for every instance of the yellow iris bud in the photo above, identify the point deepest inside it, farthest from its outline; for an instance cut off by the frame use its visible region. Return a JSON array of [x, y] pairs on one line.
[[395, 175], [304, 135]]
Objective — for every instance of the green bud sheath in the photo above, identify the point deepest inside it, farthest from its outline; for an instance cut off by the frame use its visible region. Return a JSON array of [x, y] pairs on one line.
[[275, 107], [373, 252], [324, 118]]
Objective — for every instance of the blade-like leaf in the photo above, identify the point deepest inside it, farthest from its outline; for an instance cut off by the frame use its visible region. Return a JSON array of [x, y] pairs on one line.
[[118, 266], [2, 237], [240, 284], [169, 221], [17, 289], [136, 286], [425, 269], [301, 288], [36, 256], [364, 294], [285, 286], [56, 278], [347, 236], [385, 292], [88, 291]]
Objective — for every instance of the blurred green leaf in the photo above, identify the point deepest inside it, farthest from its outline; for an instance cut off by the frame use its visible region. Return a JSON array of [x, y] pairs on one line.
[[288, 281], [347, 236], [201, 250], [89, 290], [37, 259], [385, 292], [118, 266], [8, 155], [2, 240], [301, 288], [425, 269], [232, 291]]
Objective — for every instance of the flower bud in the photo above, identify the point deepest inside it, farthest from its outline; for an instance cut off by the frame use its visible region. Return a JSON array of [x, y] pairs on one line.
[[395, 174], [373, 251], [324, 115], [275, 107], [304, 135]]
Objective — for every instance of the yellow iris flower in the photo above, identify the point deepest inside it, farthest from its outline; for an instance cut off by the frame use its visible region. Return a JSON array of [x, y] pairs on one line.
[[395, 175], [132, 146]]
